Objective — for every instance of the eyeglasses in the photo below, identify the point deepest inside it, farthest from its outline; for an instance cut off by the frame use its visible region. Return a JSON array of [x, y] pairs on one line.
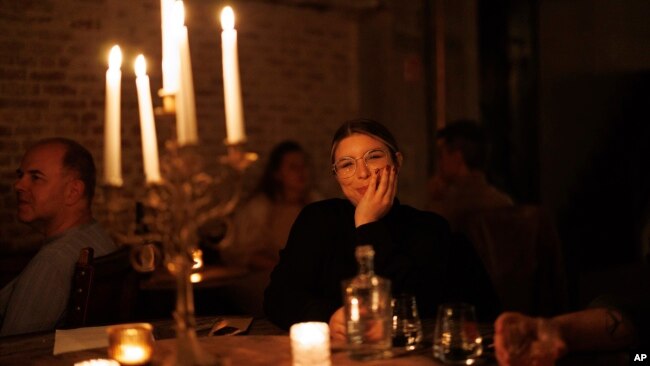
[[374, 159]]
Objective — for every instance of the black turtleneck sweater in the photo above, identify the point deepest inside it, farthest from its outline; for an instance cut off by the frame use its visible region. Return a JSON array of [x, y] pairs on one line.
[[413, 249]]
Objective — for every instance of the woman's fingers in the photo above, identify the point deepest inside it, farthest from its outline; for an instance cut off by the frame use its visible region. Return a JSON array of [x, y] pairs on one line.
[[387, 187], [337, 333], [392, 184], [378, 198], [372, 186], [383, 181], [375, 330], [337, 325]]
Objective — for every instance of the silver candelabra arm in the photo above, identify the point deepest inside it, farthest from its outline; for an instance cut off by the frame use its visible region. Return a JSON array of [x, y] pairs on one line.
[[174, 209], [184, 201], [189, 197]]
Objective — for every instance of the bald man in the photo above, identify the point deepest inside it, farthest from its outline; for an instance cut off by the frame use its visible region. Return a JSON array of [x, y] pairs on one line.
[[54, 190]]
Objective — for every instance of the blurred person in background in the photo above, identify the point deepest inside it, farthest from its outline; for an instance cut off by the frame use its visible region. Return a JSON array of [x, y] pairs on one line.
[[263, 223], [460, 186]]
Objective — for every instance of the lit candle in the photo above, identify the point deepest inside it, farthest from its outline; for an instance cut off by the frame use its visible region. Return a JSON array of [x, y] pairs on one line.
[[130, 344], [112, 151], [196, 277], [186, 110], [98, 362], [310, 344], [147, 126], [130, 354], [197, 258], [171, 58], [231, 86]]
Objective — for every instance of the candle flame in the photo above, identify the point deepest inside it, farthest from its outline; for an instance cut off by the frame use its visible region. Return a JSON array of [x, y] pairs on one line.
[[132, 353], [140, 66], [196, 277], [115, 58], [179, 13], [197, 257], [227, 18], [310, 333]]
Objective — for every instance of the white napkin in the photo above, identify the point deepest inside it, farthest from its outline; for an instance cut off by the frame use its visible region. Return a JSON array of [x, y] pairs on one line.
[[70, 340]]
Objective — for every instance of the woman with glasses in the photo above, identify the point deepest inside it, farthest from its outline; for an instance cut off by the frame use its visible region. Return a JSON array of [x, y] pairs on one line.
[[412, 247]]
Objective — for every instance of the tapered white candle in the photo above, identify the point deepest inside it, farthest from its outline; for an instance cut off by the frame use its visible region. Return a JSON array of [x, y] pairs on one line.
[[231, 85], [171, 55], [112, 137], [186, 110], [147, 126]]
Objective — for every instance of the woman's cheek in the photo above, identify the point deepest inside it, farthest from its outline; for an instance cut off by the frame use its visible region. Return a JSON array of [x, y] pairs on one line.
[[350, 194]]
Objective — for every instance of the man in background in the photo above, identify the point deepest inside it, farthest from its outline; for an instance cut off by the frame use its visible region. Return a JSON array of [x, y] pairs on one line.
[[54, 191], [460, 186]]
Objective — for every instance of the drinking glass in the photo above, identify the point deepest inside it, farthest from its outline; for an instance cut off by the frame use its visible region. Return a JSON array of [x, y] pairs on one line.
[[456, 338], [407, 327]]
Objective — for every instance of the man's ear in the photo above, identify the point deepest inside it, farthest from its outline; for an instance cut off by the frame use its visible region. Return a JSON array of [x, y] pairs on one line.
[[75, 191]]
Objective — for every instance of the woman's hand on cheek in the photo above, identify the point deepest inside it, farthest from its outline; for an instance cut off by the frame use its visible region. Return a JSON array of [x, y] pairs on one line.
[[378, 199]]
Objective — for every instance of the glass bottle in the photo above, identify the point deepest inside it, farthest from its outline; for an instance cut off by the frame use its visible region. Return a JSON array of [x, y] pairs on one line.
[[368, 315]]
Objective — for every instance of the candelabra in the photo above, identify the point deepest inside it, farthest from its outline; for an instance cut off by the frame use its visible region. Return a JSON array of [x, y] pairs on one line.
[[175, 209]]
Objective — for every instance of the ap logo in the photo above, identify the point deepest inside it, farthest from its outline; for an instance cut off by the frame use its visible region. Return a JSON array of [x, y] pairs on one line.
[[640, 357]]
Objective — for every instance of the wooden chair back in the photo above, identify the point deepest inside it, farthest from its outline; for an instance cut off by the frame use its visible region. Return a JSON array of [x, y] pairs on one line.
[[104, 289]]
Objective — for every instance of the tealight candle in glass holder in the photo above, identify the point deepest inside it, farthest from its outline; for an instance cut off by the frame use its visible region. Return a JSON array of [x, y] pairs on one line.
[[130, 344], [310, 344], [98, 362]]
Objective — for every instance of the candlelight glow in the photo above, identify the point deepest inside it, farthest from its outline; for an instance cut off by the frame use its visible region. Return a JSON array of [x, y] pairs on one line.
[[115, 58], [227, 18], [196, 277], [310, 344], [197, 257], [130, 344], [354, 311], [131, 354], [140, 66], [309, 334], [98, 362]]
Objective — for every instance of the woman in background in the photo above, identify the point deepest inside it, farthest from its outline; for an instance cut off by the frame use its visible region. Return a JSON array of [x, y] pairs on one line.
[[263, 223]]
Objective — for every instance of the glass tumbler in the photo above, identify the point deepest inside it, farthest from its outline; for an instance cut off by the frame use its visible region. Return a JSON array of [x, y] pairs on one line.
[[407, 327], [456, 338]]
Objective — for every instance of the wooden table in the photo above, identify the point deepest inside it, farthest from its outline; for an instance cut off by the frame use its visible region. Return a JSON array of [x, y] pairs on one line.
[[264, 344], [253, 350]]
